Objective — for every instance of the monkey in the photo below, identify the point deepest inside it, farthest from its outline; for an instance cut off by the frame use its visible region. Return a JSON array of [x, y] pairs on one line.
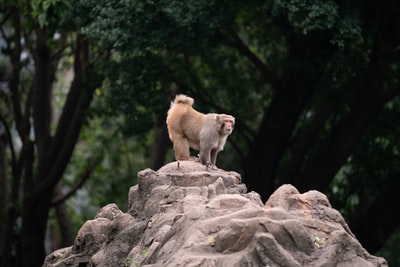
[[189, 128]]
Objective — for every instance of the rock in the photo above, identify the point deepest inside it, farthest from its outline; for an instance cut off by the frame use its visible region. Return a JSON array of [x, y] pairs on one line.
[[186, 215]]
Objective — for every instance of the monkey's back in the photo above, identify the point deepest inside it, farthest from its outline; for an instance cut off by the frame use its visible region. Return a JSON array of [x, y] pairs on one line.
[[186, 122]]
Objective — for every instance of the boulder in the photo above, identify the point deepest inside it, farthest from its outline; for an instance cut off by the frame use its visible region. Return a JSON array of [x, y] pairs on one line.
[[187, 215]]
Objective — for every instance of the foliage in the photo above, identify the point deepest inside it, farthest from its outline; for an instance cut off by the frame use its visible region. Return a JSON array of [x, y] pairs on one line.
[[308, 16], [49, 12]]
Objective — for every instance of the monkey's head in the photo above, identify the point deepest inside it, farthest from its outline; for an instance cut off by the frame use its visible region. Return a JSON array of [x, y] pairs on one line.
[[227, 123]]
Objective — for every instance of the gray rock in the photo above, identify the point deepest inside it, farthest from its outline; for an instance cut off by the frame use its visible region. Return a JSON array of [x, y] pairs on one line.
[[186, 215]]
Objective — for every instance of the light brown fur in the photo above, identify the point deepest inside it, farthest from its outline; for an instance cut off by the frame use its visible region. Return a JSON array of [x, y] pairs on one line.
[[189, 128]]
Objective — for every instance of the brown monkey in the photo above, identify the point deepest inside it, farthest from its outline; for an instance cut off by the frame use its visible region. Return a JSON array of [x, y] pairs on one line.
[[206, 133]]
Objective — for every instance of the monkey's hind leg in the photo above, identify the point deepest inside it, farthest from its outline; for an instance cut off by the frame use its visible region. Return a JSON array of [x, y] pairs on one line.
[[181, 148]]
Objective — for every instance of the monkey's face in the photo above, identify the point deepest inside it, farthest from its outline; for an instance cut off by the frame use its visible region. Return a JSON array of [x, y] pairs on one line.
[[228, 125]]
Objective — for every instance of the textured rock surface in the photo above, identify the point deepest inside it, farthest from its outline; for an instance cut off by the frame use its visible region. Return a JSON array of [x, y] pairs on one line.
[[184, 215]]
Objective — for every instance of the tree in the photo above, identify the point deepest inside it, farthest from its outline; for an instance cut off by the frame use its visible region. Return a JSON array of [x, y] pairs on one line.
[[35, 47]]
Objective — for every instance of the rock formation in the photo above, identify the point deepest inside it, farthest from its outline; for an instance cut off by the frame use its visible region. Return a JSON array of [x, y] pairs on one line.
[[184, 215]]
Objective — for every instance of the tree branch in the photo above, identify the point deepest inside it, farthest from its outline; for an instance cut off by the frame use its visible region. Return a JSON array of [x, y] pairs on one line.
[[41, 102], [83, 177], [85, 82], [68, 112], [239, 44], [15, 70]]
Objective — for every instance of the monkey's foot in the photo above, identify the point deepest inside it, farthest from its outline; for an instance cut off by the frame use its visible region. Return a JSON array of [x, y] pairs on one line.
[[211, 167]]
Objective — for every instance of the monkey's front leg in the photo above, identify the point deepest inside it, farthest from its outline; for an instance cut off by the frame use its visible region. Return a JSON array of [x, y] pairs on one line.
[[213, 157], [205, 158]]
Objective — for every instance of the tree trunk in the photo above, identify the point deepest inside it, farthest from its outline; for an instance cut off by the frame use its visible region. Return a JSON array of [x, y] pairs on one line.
[[34, 217], [382, 221], [64, 221], [4, 191], [302, 143], [159, 147], [293, 93], [35, 209], [277, 125], [9, 201]]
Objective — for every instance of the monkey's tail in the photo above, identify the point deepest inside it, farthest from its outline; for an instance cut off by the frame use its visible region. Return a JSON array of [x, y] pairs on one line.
[[183, 99]]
